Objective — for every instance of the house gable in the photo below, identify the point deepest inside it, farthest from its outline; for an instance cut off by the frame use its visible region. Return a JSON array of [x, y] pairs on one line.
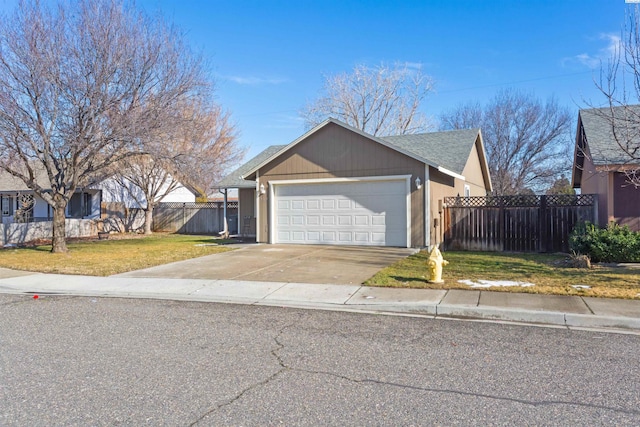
[[606, 131], [334, 151], [598, 160], [476, 169], [333, 154]]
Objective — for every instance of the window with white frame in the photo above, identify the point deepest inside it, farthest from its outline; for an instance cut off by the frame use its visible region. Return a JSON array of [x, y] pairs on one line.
[[467, 191]]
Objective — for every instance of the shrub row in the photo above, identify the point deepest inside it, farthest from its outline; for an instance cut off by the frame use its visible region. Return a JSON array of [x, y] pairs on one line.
[[611, 244]]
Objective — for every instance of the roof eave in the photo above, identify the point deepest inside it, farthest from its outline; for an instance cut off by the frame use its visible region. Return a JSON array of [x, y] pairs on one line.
[[450, 173], [380, 141], [576, 171], [484, 163]]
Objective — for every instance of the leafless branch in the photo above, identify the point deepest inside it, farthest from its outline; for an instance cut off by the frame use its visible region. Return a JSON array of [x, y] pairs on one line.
[[525, 139], [83, 86], [380, 101]]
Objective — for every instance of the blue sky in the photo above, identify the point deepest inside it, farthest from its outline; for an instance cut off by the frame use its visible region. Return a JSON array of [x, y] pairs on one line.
[[269, 57]]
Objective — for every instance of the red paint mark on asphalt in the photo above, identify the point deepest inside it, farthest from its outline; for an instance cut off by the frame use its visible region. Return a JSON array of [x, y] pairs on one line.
[[36, 297]]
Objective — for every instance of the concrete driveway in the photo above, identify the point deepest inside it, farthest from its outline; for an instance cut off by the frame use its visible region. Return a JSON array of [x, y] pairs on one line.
[[283, 263]]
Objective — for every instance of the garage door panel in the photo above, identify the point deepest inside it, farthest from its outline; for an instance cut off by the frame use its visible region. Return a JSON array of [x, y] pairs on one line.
[[283, 236], [283, 220], [361, 219], [283, 204], [313, 236], [344, 204], [377, 220], [345, 237], [344, 220], [361, 237], [329, 236], [362, 213]]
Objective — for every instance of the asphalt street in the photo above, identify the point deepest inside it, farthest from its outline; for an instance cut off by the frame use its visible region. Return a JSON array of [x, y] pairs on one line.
[[110, 361]]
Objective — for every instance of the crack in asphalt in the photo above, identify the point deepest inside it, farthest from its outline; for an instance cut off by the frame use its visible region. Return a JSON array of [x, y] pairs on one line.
[[534, 403], [283, 368]]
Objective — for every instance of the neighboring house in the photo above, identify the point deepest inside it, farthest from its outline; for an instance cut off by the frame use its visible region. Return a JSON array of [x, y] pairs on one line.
[[599, 165], [339, 185], [133, 197], [85, 202]]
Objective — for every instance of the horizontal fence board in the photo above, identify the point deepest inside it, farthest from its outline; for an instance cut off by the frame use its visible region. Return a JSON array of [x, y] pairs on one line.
[[515, 223]]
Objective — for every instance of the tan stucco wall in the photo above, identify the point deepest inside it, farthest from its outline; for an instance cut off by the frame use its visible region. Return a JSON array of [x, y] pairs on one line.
[[441, 186], [246, 200], [445, 186], [600, 183], [334, 151], [473, 175]]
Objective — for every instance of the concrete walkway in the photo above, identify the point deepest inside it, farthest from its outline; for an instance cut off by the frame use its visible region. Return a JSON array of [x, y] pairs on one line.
[[567, 311]]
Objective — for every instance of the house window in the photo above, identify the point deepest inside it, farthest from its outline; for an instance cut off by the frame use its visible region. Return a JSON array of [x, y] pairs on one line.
[[467, 191], [6, 205], [80, 205]]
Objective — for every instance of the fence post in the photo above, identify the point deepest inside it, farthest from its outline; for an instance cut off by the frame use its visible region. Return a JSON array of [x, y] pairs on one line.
[[543, 233], [501, 225], [184, 216]]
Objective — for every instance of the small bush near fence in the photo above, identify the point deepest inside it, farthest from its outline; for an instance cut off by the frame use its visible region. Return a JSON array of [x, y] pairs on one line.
[[611, 244]]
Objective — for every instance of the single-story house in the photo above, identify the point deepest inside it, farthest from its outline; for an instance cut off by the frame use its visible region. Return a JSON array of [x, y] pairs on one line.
[[339, 185], [85, 203], [600, 163]]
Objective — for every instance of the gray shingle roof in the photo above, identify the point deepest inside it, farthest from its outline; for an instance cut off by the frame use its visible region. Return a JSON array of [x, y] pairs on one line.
[[234, 179], [449, 149], [600, 136], [9, 183]]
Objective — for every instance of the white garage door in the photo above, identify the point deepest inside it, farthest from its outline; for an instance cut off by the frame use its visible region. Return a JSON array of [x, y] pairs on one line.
[[342, 213]]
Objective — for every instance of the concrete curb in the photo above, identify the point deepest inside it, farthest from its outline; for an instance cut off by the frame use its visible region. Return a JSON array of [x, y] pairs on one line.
[[524, 316], [613, 316], [592, 321]]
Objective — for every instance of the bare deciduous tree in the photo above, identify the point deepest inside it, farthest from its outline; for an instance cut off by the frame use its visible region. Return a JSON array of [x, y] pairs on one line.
[[195, 154], [206, 148], [620, 83], [82, 86], [526, 141], [147, 181], [381, 101]]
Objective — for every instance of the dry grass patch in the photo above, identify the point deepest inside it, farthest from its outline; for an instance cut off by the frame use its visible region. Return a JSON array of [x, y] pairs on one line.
[[113, 256], [549, 273]]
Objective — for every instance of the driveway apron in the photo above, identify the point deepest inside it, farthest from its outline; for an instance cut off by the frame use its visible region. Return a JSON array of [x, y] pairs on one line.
[[283, 263]]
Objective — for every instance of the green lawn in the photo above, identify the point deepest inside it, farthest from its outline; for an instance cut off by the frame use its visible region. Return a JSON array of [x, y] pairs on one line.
[[116, 255], [548, 273]]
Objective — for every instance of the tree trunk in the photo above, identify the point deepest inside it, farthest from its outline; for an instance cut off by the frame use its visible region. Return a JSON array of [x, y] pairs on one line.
[[148, 219], [59, 243]]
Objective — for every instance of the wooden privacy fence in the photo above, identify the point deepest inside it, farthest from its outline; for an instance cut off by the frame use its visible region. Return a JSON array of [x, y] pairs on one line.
[[515, 223], [192, 218]]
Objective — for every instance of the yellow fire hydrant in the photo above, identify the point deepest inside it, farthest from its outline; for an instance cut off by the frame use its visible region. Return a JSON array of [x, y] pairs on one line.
[[435, 264]]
